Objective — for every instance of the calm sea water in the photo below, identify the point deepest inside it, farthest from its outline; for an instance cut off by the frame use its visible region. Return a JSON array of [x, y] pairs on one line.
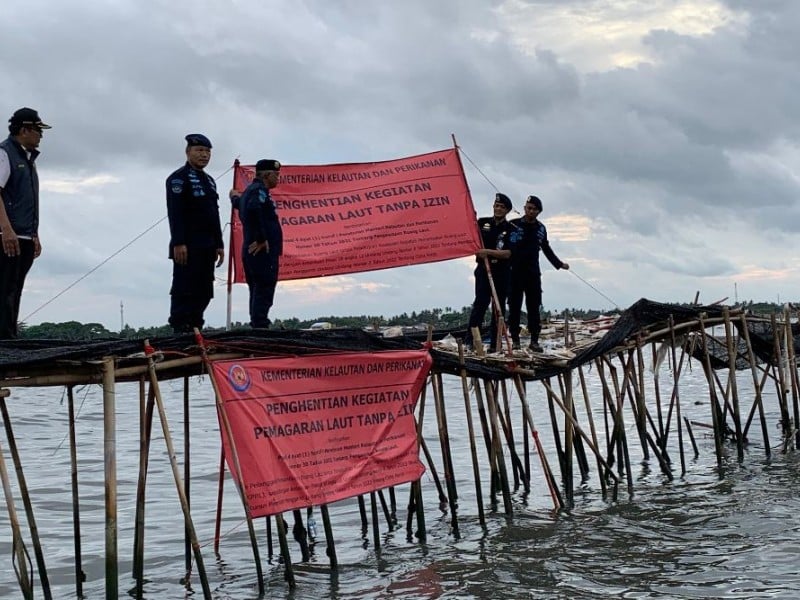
[[698, 536]]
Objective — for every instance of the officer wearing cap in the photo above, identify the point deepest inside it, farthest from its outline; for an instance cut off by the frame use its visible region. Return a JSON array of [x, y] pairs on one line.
[[530, 235], [262, 240], [195, 244], [19, 212], [495, 234]]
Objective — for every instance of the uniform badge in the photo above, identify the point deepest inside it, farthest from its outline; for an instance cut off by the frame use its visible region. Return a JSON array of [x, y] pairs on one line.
[[177, 186]]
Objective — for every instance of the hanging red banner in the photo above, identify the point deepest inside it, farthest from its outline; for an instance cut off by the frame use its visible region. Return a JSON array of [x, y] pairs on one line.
[[348, 218], [315, 429]]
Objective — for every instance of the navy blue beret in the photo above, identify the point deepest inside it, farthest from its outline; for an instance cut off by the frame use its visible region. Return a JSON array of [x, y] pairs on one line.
[[268, 165], [198, 139], [535, 201], [503, 199]]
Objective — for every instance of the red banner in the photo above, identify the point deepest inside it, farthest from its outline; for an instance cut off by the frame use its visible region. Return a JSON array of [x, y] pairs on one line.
[[355, 217], [316, 429]]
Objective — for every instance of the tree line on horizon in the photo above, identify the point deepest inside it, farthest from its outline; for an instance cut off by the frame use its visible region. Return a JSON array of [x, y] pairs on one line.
[[440, 318]]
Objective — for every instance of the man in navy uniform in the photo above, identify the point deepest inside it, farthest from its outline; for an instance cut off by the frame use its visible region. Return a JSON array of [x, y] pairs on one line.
[[495, 234], [19, 212], [529, 236], [262, 240], [195, 244]]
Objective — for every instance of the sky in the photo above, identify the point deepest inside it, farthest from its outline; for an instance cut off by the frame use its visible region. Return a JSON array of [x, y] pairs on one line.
[[663, 137]]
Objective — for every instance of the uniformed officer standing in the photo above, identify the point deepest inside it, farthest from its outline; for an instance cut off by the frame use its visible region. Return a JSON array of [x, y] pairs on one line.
[[19, 212], [195, 236], [529, 236], [495, 234], [262, 240]]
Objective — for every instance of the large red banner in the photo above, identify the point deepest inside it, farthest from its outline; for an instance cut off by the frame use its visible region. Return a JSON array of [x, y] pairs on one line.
[[316, 429], [348, 218]]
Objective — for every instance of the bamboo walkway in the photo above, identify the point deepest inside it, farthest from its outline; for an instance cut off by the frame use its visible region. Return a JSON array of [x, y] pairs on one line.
[[498, 392]]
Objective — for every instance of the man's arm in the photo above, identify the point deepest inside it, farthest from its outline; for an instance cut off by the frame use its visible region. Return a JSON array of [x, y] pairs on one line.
[[10, 241], [177, 222]]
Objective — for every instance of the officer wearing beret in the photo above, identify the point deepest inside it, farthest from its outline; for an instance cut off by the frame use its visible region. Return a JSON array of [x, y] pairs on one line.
[[19, 212], [262, 240], [529, 236], [195, 244], [495, 234]]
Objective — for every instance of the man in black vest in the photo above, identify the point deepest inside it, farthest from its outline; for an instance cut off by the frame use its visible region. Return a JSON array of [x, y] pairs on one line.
[[195, 243], [19, 212]]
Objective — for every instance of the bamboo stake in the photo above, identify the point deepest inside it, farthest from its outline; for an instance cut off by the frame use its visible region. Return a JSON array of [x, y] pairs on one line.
[[110, 471], [476, 472], [676, 370], [737, 423], [781, 381], [145, 430], [22, 566], [569, 435], [176, 475], [509, 431], [494, 476], [792, 368], [80, 576], [691, 436], [497, 448], [558, 502], [376, 534], [444, 441], [218, 519], [592, 430], [329, 541], [187, 478], [289, 573], [712, 395], [756, 387]]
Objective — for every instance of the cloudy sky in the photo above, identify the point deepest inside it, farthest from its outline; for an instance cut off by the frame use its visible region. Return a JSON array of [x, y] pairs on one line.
[[662, 136]]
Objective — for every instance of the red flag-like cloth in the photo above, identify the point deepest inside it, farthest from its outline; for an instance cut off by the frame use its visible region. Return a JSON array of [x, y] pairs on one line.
[[315, 429], [349, 218]]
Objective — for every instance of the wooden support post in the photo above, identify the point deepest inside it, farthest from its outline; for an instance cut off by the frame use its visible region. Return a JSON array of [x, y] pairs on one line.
[[19, 552], [676, 372], [715, 416], [444, 441], [497, 448], [146, 409], [176, 475], [731, 346], [80, 576], [759, 402], [476, 472], [601, 475], [110, 470]]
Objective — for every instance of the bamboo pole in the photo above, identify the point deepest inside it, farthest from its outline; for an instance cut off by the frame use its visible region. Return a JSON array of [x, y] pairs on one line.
[[80, 576], [759, 402], [737, 423], [26, 501], [558, 501], [226, 424], [791, 364], [20, 559], [218, 516], [497, 447], [476, 471], [494, 476], [176, 475], [187, 478], [329, 540], [110, 471], [592, 430], [444, 441], [715, 417], [676, 372], [781, 382], [145, 431]]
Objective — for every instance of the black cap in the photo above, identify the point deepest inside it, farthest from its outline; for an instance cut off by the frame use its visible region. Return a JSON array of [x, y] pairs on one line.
[[198, 139], [535, 201], [503, 199], [266, 164], [28, 116]]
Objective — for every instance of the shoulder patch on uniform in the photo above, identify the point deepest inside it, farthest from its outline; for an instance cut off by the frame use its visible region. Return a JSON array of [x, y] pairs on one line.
[[262, 196]]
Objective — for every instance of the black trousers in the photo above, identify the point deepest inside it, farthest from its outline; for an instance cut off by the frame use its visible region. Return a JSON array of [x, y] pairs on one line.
[[192, 289], [529, 285], [261, 271], [13, 270], [483, 299]]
